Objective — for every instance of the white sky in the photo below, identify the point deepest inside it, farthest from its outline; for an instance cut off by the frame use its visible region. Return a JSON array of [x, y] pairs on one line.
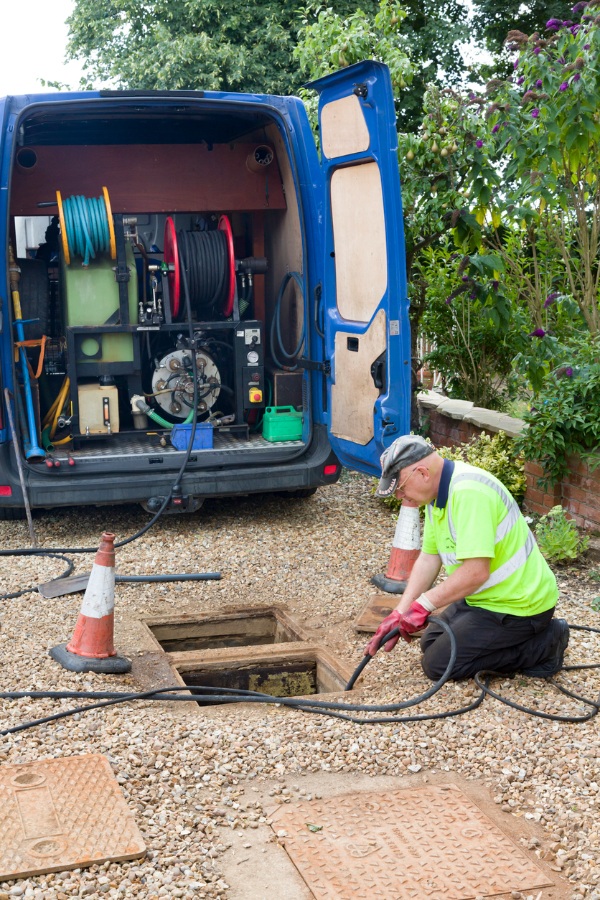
[[33, 46]]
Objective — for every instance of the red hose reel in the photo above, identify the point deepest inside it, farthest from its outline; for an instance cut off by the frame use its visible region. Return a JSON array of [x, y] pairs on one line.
[[172, 259]]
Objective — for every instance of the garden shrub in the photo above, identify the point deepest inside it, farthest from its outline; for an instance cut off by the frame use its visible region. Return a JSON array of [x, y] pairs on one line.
[[558, 537], [498, 456]]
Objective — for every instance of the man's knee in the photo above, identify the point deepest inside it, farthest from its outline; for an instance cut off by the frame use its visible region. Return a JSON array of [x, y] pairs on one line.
[[434, 661]]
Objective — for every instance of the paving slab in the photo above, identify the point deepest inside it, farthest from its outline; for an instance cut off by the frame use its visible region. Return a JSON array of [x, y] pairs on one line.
[[63, 814]]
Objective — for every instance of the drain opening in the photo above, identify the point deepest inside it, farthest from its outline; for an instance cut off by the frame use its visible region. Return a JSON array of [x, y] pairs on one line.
[[302, 676], [219, 632]]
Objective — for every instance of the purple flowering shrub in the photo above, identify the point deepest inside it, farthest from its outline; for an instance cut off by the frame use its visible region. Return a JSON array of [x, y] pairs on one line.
[[544, 125], [564, 418]]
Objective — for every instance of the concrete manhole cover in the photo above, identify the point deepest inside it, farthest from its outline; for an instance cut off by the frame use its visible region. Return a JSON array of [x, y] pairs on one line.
[[427, 842], [62, 814]]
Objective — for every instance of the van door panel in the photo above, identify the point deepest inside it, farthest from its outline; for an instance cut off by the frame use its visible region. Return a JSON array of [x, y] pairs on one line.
[[367, 334]]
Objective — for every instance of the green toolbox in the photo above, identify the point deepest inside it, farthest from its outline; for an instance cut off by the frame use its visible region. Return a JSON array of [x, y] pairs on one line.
[[282, 423]]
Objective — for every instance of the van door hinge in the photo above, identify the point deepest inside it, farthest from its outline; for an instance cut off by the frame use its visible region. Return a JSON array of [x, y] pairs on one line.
[[361, 90], [315, 366]]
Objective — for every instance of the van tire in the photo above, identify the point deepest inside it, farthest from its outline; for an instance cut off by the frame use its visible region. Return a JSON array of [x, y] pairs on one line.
[[12, 513], [33, 292]]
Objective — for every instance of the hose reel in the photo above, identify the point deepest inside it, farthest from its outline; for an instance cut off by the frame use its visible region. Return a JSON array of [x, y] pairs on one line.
[[86, 226], [209, 261]]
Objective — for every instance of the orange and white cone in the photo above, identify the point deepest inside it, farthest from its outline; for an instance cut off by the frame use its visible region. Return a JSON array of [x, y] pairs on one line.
[[405, 550], [91, 649]]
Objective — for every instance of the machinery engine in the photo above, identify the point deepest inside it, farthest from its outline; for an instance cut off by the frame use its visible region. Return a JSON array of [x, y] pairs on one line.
[[173, 382]]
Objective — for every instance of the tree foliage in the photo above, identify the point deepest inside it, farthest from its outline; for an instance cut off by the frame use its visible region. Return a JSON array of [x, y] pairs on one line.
[[471, 353], [428, 33], [545, 124], [492, 20], [193, 44]]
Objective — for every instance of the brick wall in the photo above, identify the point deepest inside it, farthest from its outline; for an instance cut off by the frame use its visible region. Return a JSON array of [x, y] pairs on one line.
[[578, 493], [447, 432], [537, 500]]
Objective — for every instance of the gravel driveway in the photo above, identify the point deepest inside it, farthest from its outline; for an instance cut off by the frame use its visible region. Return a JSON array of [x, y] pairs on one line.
[[188, 775]]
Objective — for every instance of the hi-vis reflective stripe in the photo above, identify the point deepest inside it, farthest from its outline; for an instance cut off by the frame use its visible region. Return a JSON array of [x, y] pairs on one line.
[[518, 559], [510, 566], [482, 479]]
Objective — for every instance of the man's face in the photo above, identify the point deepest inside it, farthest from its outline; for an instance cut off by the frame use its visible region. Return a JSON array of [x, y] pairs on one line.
[[415, 484]]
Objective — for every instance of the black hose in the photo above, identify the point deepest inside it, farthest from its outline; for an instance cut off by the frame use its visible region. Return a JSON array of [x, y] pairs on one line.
[[64, 574], [277, 346], [205, 260], [323, 707]]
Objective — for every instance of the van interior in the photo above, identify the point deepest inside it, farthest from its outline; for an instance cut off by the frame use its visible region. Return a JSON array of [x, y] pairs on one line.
[[157, 278]]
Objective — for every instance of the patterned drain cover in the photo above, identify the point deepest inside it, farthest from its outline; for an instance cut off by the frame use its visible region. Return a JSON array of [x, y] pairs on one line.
[[62, 814], [430, 842]]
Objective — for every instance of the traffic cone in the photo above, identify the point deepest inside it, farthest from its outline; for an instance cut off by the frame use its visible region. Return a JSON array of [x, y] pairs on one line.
[[91, 649], [405, 550]]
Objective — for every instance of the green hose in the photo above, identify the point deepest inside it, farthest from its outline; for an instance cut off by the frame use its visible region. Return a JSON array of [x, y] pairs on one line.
[[163, 422]]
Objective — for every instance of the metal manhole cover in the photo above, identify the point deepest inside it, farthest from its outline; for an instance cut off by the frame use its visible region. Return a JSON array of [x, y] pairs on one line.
[[62, 814], [425, 842]]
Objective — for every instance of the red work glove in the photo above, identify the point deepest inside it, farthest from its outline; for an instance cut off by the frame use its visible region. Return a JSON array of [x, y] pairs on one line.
[[392, 621], [412, 620]]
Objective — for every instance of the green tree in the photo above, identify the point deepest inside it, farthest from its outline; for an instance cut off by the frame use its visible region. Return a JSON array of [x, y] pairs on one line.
[[492, 20], [196, 44], [471, 353], [428, 32], [546, 126]]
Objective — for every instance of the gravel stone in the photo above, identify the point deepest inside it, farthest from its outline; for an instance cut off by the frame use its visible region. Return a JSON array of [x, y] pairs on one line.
[[187, 772]]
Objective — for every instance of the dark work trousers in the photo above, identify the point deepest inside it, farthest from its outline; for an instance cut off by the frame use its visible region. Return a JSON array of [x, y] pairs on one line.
[[486, 640]]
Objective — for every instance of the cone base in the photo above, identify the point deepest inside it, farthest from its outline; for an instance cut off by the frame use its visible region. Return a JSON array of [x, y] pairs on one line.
[[389, 585], [113, 665]]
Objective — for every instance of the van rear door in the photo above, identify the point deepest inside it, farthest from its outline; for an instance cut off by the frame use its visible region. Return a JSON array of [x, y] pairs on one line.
[[367, 336], [5, 297]]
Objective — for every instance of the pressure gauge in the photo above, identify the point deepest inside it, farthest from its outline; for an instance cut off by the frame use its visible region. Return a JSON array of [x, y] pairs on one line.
[[252, 357]]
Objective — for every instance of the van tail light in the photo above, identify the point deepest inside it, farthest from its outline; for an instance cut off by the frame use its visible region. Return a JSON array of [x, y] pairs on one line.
[[5, 490], [330, 470]]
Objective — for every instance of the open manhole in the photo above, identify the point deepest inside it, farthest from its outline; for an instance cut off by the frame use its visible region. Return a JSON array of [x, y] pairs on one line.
[[242, 628], [302, 672], [252, 649]]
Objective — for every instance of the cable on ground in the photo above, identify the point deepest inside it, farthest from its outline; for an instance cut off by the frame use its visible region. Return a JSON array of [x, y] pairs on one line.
[[346, 711]]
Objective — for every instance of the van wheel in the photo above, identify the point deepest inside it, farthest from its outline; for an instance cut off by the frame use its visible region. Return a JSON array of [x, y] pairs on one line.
[[12, 513], [33, 292]]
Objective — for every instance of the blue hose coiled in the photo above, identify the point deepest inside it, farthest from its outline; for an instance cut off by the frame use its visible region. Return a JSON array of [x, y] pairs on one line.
[[87, 229]]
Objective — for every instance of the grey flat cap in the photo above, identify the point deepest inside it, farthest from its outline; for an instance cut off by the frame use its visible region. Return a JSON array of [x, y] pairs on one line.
[[405, 451]]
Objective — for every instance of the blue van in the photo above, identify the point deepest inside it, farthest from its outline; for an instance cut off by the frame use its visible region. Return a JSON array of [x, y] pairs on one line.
[[197, 301]]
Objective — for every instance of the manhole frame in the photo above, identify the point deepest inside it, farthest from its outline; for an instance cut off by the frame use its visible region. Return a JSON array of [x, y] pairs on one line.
[[186, 620], [331, 673], [328, 669]]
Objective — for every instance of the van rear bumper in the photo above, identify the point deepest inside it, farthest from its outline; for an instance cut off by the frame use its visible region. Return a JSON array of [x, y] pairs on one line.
[[49, 488]]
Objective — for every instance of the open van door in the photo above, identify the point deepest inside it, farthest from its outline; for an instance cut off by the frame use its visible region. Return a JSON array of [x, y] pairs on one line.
[[5, 296], [367, 337]]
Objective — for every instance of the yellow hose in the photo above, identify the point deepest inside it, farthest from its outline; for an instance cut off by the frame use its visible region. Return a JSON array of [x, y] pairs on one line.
[[52, 416]]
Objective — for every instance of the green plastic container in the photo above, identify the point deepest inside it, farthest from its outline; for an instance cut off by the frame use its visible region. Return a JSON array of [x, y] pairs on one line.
[[282, 423], [90, 296]]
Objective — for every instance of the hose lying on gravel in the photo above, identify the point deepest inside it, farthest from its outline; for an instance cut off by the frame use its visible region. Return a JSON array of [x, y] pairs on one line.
[[319, 707]]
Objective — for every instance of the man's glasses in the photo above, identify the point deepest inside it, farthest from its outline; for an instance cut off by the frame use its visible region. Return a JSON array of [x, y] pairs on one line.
[[402, 485]]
